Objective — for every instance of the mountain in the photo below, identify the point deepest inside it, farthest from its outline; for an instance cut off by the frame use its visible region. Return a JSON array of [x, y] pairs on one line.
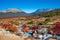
[[12, 12], [41, 11], [47, 12]]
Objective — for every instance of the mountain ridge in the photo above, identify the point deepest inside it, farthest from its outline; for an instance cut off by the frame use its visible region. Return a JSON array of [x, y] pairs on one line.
[[14, 12], [52, 12], [11, 10]]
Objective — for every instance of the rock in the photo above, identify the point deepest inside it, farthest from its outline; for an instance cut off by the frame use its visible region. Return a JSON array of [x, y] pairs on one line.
[[9, 36]]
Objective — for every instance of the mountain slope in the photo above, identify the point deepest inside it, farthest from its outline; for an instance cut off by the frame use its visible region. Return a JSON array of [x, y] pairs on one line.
[[12, 13], [48, 13], [41, 11]]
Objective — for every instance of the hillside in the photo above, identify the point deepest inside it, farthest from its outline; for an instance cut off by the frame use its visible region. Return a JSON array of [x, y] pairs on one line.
[[54, 12], [13, 12]]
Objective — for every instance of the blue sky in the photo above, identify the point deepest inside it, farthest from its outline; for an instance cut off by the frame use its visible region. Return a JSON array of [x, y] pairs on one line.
[[29, 5]]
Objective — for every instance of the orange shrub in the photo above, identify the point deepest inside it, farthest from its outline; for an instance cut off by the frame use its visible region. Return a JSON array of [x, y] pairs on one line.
[[9, 26], [13, 28], [27, 39]]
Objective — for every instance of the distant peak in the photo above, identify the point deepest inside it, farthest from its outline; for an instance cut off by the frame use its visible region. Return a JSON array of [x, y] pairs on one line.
[[14, 10], [11, 10], [41, 10]]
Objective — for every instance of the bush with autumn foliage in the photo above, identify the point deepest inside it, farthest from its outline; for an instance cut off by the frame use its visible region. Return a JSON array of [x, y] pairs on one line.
[[10, 27], [25, 28], [56, 29]]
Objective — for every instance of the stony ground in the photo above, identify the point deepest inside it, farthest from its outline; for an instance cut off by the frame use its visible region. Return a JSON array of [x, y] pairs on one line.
[[9, 36]]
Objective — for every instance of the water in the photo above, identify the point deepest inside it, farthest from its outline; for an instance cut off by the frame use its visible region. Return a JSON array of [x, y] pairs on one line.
[[58, 37]]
